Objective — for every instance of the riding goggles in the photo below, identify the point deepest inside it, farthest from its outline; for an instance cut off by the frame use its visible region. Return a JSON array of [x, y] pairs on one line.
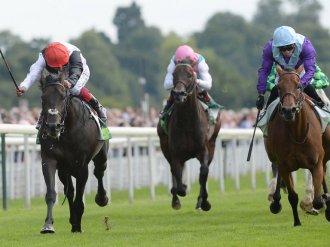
[[286, 48]]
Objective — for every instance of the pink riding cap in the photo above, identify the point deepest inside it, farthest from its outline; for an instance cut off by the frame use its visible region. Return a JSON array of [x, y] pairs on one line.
[[185, 51]]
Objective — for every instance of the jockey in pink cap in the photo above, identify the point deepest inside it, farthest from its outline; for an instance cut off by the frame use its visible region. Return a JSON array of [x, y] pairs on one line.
[[204, 79]]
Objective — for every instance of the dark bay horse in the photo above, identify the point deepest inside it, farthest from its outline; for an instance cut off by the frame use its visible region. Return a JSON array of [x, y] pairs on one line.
[[295, 141], [69, 141], [189, 135]]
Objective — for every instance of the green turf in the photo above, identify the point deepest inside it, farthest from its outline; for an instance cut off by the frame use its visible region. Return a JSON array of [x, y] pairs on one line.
[[235, 219]]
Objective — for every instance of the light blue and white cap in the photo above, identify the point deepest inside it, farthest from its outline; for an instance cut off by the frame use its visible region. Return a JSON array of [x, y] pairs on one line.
[[283, 36]]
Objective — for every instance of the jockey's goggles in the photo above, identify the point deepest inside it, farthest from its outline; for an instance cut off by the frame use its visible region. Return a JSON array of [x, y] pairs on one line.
[[286, 48]]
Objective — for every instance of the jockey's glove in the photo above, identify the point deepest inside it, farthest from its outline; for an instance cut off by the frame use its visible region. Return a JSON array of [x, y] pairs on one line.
[[260, 101]]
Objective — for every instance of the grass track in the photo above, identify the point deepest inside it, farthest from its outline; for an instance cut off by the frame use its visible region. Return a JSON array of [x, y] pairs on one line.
[[235, 219]]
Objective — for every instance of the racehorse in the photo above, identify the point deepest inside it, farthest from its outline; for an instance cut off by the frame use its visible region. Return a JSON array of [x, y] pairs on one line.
[[69, 141], [189, 135], [295, 141]]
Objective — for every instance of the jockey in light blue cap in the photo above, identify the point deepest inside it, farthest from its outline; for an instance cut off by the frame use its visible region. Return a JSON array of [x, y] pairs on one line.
[[290, 50]]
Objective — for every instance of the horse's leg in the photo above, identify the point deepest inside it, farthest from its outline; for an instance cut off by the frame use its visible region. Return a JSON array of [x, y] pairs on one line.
[[100, 163], [202, 202], [317, 174], [49, 170], [293, 196], [306, 203], [175, 199], [78, 204], [176, 169], [275, 206], [68, 191], [273, 183]]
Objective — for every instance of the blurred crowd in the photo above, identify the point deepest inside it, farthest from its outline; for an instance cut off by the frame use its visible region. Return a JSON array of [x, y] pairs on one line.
[[130, 117]]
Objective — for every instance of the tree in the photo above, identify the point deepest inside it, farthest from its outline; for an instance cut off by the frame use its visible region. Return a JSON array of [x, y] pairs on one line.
[[127, 19]]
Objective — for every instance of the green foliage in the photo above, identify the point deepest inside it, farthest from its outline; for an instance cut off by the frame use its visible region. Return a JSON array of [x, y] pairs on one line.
[[231, 45]]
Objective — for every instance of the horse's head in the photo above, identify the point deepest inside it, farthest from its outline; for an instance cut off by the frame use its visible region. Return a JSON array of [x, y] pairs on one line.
[[290, 92], [54, 103], [184, 81]]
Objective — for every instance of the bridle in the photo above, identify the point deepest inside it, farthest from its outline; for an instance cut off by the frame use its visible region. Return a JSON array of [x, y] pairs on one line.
[[53, 111], [299, 100], [189, 88]]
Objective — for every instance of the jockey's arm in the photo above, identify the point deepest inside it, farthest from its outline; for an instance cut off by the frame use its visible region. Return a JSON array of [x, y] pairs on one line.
[[265, 69], [168, 82], [204, 79], [34, 73], [76, 67], [308, 55]]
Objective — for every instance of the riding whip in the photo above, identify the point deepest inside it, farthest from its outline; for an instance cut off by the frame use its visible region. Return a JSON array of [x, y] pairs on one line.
[[11, 75], [251, 144]]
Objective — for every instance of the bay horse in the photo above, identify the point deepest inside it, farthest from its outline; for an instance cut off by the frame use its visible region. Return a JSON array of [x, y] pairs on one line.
[[189, 135], [295, 141], [69, 141]]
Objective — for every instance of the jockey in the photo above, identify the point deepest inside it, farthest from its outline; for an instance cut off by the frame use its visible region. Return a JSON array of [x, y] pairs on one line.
[[58, 56], [203, 77], [290, 50]]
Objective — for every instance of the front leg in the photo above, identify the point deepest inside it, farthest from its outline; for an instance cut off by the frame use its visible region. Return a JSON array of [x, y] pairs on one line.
[[48, 170]]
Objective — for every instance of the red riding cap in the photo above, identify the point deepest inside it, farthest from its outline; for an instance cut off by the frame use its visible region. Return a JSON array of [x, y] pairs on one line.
[[56, 55]]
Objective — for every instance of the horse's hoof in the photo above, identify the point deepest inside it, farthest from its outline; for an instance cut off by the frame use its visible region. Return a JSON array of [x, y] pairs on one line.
[[101, 200], [326, 196], [327, 211], [47, 228], [306, 206], [313, 211], [76, 229], [176, 204], [275, 208], [181, 192], [318, 204], [270, 197], [297, 223], [206, 206]]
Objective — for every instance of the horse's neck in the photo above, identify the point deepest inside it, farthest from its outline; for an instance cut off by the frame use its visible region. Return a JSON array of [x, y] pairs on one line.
[[75, 111], [189, 111]]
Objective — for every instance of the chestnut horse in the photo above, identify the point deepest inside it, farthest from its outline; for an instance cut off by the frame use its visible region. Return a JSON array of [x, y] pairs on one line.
[[189, 135], [295, 141], [69, 140]]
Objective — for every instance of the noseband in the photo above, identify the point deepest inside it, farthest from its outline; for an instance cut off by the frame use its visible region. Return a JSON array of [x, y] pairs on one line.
[[189, 88]]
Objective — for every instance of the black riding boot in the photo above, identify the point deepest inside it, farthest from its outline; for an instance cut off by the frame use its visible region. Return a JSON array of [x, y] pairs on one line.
[[273, 96], [100, 110], [168, 105], [311, 92]]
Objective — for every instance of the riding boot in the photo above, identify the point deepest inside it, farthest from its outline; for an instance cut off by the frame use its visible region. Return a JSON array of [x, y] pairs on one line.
[[100, 110], [40, 120], [311, 92], [207, 99], [168, 105], [273, 96]]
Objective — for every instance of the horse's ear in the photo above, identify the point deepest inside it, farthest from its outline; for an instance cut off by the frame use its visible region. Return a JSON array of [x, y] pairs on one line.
[[300, 69], [279, 69]]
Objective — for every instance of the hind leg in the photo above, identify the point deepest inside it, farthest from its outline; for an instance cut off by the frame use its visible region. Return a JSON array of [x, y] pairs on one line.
[[175, 199], [100, 163], [176, 169]]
